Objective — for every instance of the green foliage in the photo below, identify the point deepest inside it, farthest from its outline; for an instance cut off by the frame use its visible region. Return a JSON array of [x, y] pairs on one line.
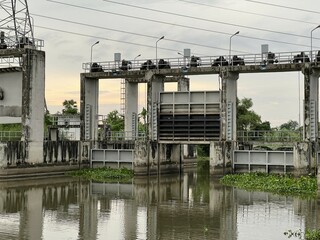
[[305, 186], [290, 125], [247, 119], [11, 127], [308, 235], [203, 150], [70, 107], [116, 121], [104, 174]]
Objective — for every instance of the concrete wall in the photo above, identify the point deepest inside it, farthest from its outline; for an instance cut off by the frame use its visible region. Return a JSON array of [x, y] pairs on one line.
[[10, 106], [33, 96]]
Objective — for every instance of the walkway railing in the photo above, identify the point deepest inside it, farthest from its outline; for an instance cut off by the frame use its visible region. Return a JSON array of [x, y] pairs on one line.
[[122, 136], [205, 61], [10, 135], [269, 136]]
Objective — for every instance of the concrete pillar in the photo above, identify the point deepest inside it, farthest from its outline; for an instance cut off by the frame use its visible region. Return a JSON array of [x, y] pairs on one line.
[[131, 110], [170, 158], [33, 95], [3, 157], [89, 103], [311, 99], [220, 157], [183, 84], [229, 105], [155, 86], [310, 121]]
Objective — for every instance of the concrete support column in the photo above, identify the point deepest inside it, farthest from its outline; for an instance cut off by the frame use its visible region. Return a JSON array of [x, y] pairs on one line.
[[229, 106], [310, 122], [155, 86], [220, 157], [169, 158], [183, 84], [311, 103], [131, 110], [89, 102], [33, 89]]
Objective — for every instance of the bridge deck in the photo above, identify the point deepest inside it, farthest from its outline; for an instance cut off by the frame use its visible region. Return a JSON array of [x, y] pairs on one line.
[[256, 63]]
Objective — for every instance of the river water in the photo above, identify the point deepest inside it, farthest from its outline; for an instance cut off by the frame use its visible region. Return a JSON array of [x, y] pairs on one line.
[[191, 205]]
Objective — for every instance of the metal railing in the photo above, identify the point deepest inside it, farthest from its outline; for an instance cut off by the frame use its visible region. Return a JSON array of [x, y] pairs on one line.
[[10, 135], [269, 136], [207, 61], [122, 136]]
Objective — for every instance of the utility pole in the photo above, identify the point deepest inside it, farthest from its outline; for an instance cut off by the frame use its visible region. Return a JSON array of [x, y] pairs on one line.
[[15, 24]]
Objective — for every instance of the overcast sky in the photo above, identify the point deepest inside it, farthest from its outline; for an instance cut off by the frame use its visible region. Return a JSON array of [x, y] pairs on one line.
[[69, 28]]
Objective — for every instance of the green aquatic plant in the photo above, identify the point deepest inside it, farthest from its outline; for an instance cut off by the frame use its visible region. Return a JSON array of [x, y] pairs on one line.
[[304, 186], [308, 235], [104, 174]]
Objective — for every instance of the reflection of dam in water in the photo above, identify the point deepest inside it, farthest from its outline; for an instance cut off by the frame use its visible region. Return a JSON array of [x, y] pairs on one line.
[[186, 206]]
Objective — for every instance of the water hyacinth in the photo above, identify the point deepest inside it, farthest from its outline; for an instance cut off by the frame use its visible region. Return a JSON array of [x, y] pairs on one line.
[[105, 174], [304, 186]]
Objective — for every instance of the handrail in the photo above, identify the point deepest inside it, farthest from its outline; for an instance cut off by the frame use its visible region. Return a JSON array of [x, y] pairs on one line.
[[10, 135], [269, 136], [209, 61]]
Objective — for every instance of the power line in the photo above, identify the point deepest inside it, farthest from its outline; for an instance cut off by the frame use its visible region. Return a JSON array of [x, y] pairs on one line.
[[247, 12], [206, 20], [282, 6], [127, 32], [176, 25], [109, 39]]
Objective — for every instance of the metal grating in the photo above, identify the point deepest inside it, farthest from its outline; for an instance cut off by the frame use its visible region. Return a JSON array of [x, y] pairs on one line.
[[189, 116]]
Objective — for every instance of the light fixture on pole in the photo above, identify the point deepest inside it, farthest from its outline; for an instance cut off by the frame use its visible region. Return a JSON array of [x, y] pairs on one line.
[[230, 45], [134, 60], [157, 50], [311, 39], [136, 57], [97, 42]]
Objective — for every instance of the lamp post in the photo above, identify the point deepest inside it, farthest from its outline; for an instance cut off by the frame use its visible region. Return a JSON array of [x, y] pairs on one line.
[[136, 57], [311, 39], [230, 45], [184, 59], [134, 60], [91, 52], [157, 50]]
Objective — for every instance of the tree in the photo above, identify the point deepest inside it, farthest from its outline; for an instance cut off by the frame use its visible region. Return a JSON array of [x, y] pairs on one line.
[[248, 119], [115, 121], [70, 107], [290, 125]]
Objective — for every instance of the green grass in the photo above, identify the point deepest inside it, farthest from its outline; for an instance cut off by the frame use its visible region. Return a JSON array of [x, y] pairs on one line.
[[104, 174], [305, 186]]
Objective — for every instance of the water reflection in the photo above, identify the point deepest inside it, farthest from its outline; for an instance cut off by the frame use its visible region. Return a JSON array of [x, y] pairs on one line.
[[187, 206]]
